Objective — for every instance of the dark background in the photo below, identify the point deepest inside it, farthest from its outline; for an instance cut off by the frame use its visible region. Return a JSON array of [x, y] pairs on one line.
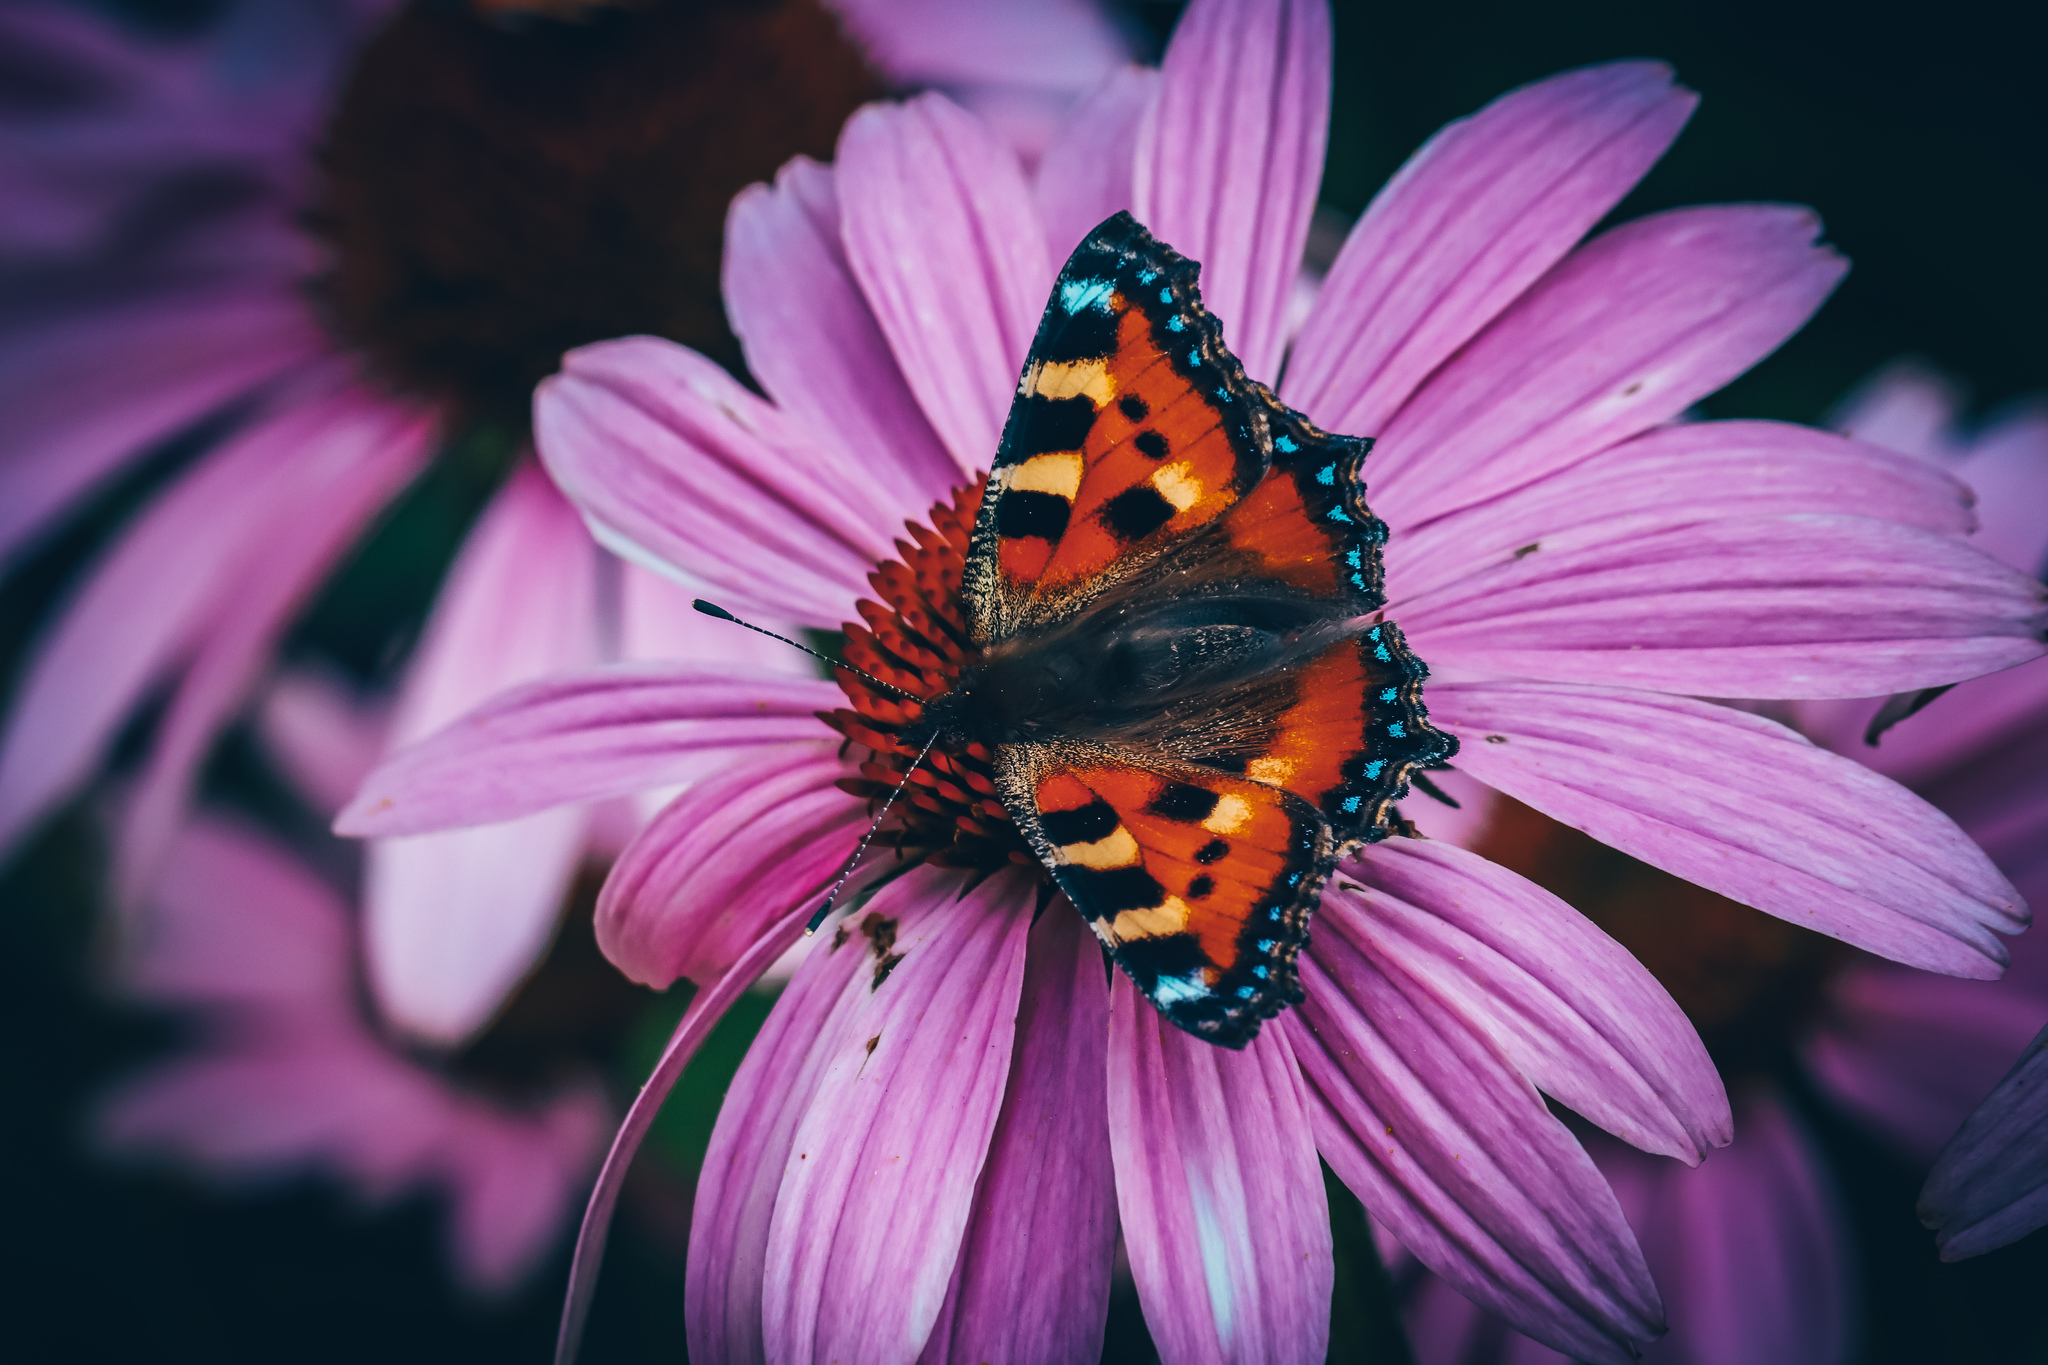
[[1918, 135]]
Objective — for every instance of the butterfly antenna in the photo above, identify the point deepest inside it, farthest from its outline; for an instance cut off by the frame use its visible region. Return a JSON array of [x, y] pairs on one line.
[[713, 609], [865, 839]]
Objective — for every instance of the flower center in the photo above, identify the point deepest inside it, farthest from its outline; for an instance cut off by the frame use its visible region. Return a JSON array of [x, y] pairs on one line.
[[494, 196], [916, 639], [1749, 982]]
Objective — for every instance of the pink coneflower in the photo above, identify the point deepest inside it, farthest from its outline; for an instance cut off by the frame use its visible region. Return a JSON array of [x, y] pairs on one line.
[[1750, 1250], [481, 199], [925, 1153], [287, 1077]]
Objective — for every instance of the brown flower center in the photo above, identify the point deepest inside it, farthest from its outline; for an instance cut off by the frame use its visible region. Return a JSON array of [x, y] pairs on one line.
[[916, 639], [1749, 982], [496, 195]]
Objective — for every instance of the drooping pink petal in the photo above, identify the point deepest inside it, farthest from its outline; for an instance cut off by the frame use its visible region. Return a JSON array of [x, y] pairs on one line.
[[1484, 208], [1419, 1111], [454, 920], [703, 1014], [86, 397], [354, 461], [583, 737], [1990, 1186], [1230, 156], [1799, 606], [813, 342], [940, 231], [323, 738], [869, 1219], [140, 608], [1912, 1054], [1568, 1006], [1033, 1279], [1626, 332], [1676, 476], [750, 1145], [678, 467], [726, 857], [1743, 806], [1224, 1214], [1086, 174]]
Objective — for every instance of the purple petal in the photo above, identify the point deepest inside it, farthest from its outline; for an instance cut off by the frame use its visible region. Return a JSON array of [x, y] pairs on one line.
[[1044, 44], [1419, 1111], [1034, 1274], [723, 859], [1904, 406], [1086, 174], [1230, 156], [1801, 606], [358, 453], [1626, 332], [813, 342], [705, 1010], [1743, 806], [1569, 1007], [84, 399], [630, 727], [515, 1181], [2008, 466], [870, 1216], [1911, 1054], [1474, 217], [1676, 476], [322, 737], [454, 921], [1224, 1214], [941, 232], [679, 468], [1990, 1186]]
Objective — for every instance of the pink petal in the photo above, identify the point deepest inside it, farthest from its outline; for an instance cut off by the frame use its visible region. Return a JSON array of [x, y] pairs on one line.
[[1675, 476], [323, 738], [583, 737], [515, 1180], [1419, 1111], [726, 857], [1086, 174], [657, 621], [1474, 217], [1568, 1006], [1742, 806], [1033, 1279], [705, 1010], [813, 342], [1626, 332], [83, 399], [1912, 1054], [454, 921], [2008, 466], [677, 467], [1990, 1187], [1906, 407], [234, 921], [869, 1220], [1048, 44], [751, 1144], [1800, 606], [1224, 1214], [362, 451], [941, 233], [1230, 156]]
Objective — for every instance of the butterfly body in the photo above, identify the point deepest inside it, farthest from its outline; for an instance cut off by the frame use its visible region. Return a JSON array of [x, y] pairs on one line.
[[1174, 656]]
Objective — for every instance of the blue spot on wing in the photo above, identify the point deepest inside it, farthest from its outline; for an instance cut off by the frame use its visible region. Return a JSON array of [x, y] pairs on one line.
[[1174, 324], [1398, 730], [1337, 514], [1078, 294], [1286, 443], [1372, 769], [1391, 694], [1327, 475], [1166, 296]]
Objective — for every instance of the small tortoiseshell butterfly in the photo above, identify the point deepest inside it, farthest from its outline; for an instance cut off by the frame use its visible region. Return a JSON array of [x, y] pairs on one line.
[[1189, 712]]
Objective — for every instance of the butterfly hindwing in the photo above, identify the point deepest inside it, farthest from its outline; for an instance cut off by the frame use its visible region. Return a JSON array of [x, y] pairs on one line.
[[1200, 883]]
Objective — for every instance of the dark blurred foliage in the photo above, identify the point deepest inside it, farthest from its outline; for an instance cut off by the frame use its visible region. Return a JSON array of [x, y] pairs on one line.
[[1917, 135]]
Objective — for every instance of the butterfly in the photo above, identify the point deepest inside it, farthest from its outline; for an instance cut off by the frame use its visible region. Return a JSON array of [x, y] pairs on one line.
[[1171, 589]]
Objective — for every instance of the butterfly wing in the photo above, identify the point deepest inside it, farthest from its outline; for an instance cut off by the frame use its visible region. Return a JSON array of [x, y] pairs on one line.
[[1201, 884]]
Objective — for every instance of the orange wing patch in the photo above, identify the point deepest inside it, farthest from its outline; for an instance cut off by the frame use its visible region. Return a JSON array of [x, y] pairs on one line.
[[1198, 882]]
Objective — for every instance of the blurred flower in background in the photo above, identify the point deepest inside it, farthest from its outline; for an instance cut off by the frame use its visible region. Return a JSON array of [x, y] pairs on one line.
[[275, 284], [1752, 1250]]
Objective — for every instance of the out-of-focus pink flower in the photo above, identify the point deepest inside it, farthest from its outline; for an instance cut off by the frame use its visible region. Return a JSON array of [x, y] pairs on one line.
[[1749, 1250], [162, 192], [1574, 569], [287, 1078]]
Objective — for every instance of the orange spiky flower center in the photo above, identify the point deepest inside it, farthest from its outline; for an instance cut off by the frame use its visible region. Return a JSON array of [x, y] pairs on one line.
[[915, 637]]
